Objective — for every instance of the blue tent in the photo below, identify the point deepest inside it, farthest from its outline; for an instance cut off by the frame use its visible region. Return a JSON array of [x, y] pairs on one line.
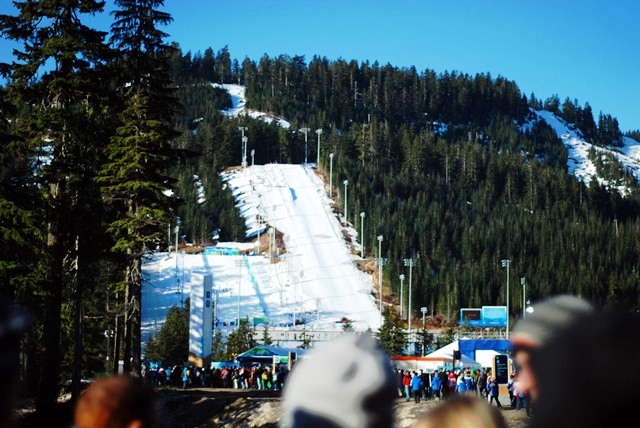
[[264, 354]]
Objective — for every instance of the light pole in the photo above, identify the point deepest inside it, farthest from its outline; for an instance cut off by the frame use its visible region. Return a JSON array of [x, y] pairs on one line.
[[410, 263], [259, 218], [242, 129], [523, 281], [381, 262], [330, 175], [244, 151], [506, 263], [362, 234], [109, 335], [306, 131], [424, 310], [319, 132], [239, 263], [401, 294], [253, 153], [346, 183]]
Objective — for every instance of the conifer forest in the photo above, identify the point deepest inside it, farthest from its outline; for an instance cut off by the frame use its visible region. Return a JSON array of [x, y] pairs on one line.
[[451, 168]]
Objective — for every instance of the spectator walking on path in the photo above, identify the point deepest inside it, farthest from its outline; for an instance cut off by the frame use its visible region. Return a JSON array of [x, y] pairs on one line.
[[436, 386], [416, 386], [494, 391]]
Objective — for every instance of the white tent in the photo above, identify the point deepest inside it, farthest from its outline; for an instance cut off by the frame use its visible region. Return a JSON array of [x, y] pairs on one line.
[[486, 356], [442, 357], [446, 355]]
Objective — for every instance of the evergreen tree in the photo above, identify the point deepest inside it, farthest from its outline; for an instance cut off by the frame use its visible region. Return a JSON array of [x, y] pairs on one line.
[[57, 78], [134, 177], [171, 345], [391, 335], [218, 347], [266, 338], [240, 340], [306, 340]]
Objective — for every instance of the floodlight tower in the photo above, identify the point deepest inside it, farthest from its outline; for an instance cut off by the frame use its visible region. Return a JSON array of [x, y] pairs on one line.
[[306, 131]]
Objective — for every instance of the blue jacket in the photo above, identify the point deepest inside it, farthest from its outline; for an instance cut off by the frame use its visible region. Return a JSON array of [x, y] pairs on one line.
[[416, 383], [436, 383]]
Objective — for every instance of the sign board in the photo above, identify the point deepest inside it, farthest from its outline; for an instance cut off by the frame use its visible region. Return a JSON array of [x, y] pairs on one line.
[[201, 318], [501, 368], [494, 316], [487, 316], [470, 317], [423, 309]]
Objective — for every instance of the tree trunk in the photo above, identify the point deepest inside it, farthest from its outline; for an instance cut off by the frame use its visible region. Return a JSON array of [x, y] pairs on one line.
[[78, 328], [48, 383]]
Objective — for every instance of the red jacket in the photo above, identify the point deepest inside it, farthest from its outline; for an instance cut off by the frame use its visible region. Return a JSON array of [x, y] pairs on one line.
[[406, 380]]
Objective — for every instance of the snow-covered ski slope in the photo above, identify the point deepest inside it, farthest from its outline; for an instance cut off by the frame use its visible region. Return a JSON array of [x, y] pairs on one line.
[[313, 277]]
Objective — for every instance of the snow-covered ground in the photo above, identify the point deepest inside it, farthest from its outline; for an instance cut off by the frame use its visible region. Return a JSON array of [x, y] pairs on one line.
[[578, 150], [315, 278], [240, 105]]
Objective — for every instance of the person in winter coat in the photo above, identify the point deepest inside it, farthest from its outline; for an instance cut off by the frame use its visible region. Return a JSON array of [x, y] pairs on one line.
[[436, 386], [481, 384], [451, 382], [461, 385], [510, 386], [494, 391], [406, 382], [416, 386], [399, 382], [444, 378]]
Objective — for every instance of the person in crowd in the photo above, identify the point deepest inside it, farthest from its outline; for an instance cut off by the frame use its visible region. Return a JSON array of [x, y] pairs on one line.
[[14, 322], [468, 380], [462, 411], [494, 391], [519, 396], [443, 375], [426, 384], [416, 386], [452, 379], [436, 386], [119, 401], [481, 384], [461, 385], [510, 385], [549, 317], [357, 388], [587, 372], [406, 383], [399, 383]]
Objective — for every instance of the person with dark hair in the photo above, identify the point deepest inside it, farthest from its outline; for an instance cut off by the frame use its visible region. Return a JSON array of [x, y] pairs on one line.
[[445, 383], [117, 402], [573, 369]]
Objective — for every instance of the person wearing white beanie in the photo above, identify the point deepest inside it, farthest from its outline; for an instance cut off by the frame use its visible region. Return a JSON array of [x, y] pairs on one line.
[[348, 382]]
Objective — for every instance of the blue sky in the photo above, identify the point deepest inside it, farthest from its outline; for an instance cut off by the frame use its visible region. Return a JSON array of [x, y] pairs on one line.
[[585, 50]]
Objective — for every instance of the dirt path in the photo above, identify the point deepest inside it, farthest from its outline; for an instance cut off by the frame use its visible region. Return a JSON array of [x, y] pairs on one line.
[[232, 408]]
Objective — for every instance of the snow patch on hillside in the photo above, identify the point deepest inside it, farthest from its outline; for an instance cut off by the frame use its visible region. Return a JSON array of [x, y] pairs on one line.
[[239, 105], [578, 149]]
